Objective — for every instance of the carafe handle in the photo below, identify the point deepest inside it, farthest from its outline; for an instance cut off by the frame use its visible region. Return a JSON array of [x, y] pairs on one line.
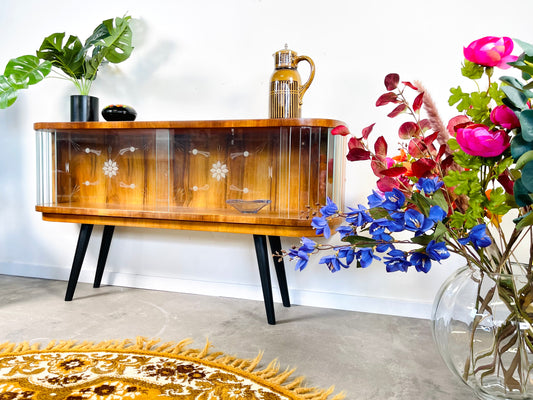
[[304, 87]]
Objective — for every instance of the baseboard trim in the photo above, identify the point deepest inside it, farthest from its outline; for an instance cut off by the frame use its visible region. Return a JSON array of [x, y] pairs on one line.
[[340, 301]]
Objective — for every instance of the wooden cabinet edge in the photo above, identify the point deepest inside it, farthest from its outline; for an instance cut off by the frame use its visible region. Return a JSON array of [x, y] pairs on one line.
[[206, 226], [200, 124]]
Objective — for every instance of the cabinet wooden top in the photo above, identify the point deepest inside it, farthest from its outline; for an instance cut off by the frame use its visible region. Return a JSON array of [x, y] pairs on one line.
[[236, 123]]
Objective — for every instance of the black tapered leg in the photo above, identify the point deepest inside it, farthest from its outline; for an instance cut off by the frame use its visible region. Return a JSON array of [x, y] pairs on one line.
[[81, 249], [102, 256], [279, 265], [264, 272]]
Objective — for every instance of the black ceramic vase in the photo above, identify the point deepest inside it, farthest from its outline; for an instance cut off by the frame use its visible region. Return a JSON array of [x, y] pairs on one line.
[[83, 108]]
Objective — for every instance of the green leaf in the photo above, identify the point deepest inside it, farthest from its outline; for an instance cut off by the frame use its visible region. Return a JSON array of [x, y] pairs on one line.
[[526, 124], [21, 72], [517, 97], [452, 143], [360, 241], [529, 86], [479, 110], [524, 159], [422, 239], [523, 63], [8, 93], [496, 93], [524, 221], [468, 161], [527, 176], [468, 220], [528, 48], [472, 70], [421, 202], [99, 34], [458, 96], [497, 203], [440, 231], [501, 166], [457, 220], [119, 41], [27, 70], [521, 194], [512, 81], [465, 182], [69, 57], [378, 212], [519, 146], [440, 200], [91, 64]]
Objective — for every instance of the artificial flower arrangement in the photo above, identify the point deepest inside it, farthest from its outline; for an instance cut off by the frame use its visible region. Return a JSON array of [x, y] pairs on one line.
[[446, 183], [447, 190]]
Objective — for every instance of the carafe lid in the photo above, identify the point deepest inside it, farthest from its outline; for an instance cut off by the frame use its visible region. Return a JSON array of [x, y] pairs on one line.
[[285, 58]]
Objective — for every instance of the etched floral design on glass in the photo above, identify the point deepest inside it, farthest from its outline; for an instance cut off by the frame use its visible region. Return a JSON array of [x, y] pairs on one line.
[[219, 171], [110, 168]]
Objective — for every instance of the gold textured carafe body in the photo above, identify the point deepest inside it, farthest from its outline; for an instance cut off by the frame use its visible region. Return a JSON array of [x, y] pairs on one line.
[[286, 89]]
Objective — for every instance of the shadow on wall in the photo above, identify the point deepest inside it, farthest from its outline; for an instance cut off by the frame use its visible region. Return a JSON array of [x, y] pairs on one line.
[[147, 71], [11, 171]]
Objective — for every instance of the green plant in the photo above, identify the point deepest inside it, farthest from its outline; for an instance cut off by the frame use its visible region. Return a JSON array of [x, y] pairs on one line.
[[111, 41]]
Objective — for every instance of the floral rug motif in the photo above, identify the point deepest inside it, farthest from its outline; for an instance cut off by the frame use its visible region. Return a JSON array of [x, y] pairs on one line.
[[142, 370]]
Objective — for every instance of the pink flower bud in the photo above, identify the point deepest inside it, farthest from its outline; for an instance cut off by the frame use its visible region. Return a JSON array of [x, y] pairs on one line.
[[478, 140], [504, 117], [491, 51]]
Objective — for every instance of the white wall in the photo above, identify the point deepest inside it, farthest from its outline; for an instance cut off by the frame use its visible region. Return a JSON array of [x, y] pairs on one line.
[[212, 59]]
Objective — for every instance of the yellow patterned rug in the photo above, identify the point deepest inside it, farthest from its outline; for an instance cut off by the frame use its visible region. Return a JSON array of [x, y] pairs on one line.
[[141, 370]]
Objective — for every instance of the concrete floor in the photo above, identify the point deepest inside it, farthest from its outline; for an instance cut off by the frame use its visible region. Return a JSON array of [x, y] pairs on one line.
[[368, 356]]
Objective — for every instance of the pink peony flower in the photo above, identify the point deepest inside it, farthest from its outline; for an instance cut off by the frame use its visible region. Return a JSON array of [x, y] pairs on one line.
[[479, 140], [491, 51], [505, 117]]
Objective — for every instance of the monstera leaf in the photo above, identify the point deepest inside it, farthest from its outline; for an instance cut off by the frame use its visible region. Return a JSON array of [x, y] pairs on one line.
[[21, 72], [68, 57], [27, 70], [118, 44], [111, 41], [8, 92]]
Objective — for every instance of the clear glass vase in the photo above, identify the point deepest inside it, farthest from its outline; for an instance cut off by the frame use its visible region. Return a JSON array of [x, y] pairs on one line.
[[482, 326]]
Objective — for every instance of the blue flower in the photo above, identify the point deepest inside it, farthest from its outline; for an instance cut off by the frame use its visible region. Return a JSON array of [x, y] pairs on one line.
[[437, 250], [365, 256], [344, 230], [348, 254], [302, 253], [358, 216], [478, 236], [378, 230], [396, 261], [437, 214], [329, 209], [393, 200], [376, 199], [396, 223], [416, 222], [334, 262], [421, 262], [321, 225], [429, 185]]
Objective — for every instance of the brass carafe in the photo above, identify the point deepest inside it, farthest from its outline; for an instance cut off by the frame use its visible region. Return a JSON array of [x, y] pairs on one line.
[[286, 90]]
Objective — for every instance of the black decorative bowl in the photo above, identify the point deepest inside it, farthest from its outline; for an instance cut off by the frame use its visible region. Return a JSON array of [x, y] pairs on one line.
[[119, 112]]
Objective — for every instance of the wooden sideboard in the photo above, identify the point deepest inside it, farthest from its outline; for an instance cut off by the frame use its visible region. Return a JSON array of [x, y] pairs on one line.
[[194, 175]]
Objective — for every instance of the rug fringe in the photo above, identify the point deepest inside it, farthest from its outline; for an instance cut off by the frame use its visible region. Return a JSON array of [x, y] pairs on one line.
[[272, 373]]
